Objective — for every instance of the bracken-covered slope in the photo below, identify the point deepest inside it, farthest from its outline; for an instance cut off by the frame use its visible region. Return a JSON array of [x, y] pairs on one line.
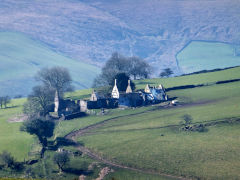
[[21, 58], [90, 30]]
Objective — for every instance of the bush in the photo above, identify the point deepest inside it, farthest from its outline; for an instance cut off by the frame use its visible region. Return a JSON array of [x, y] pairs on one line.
[[166, 73], [18, 166], [187, 119], [40, 127], [7, 160], [202, 128], [61, 159]]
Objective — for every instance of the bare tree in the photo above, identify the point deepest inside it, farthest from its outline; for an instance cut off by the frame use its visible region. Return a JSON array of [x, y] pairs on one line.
[[56, 78], [61, 159], [39, 101], [116, 64], [4, 101], [139, 68], [1, 102], [7, 100], [131, 66]]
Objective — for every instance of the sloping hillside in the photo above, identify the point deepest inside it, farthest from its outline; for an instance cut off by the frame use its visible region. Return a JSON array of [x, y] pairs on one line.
[[21, 57], [146, 142], [199, 55], [90, 30], [154, 138]]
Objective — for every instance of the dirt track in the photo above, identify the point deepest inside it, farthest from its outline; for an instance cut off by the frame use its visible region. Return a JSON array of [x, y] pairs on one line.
[[73, 135]]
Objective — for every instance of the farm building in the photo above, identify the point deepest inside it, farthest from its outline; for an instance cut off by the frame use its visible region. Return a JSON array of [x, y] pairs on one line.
[[98, 101], [155, 94], [128, 98], [66, 107], [151, 95]]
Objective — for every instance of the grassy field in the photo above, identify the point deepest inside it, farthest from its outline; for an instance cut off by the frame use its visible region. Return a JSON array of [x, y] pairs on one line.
[[80, 94], [65, 127], [123, 174], [11, 139], [196, 79], [205, 78], [199, 55], [210, 155], [21, 57], [151, 138]]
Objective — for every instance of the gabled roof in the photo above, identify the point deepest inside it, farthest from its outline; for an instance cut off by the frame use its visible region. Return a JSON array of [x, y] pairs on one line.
[[147, 89], [115, 92], [96, 96], [129, 89]]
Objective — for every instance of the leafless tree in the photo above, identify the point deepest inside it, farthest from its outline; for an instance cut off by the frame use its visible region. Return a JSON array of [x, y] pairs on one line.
[[4, 101], [138, 68], [39, 101], [56, 78], [132, 66]]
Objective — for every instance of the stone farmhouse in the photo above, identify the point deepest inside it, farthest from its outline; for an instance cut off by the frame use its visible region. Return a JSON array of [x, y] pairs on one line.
[[128, 98]]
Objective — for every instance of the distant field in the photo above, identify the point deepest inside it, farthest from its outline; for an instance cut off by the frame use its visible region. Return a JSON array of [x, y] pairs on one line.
[[204, 78], [199, 55], [21, 57]]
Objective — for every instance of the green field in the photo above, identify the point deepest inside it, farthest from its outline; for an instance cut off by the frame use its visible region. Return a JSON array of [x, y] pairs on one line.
[[196, 79], [11, 139], [150, 138], [21, 57], [123, 174], [200, 55]]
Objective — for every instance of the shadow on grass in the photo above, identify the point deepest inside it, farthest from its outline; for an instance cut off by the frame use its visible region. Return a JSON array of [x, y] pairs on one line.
[[145, 82], [10, 107], [172, 98], [59, 142], [77, 171]]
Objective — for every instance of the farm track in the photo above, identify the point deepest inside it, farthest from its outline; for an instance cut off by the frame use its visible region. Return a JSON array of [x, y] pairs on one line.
[[73, 135], [97, 157], [86, 130], [206, 123]]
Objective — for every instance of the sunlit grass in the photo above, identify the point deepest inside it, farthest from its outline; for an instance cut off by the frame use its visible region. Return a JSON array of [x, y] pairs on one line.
[[13, 140]]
